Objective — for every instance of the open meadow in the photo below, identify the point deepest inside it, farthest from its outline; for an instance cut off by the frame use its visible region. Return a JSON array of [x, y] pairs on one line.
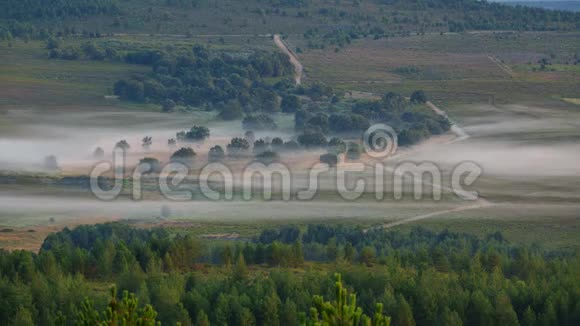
[[489, 83], [471, 68]]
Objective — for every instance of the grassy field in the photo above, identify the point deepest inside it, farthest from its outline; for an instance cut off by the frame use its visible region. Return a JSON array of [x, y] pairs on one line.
[[548, 228], [28, 78], [454, 68], [477, 78], [552, 226]]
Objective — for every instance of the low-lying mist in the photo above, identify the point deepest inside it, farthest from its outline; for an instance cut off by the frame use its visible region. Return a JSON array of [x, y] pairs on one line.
[[506, 147], [73, 137], [30, 210]]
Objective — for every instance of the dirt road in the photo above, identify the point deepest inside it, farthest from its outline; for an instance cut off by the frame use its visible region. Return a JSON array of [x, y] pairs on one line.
[[298, 68], [481, 203], [457, 130], [505, 68]]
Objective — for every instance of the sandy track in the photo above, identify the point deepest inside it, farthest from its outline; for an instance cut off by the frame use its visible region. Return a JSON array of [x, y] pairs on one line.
[[481, 203], [457, 130], [505, 68], [298, 68]]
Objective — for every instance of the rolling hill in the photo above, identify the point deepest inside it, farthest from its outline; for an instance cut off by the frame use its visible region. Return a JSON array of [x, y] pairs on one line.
[[379, 18]]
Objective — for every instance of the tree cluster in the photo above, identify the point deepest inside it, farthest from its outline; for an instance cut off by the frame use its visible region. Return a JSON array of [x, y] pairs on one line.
[[416, 278], [201, 77]]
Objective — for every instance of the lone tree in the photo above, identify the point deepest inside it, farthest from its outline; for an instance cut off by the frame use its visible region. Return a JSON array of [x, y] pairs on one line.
[[99, 153], [123, 144], [147, 142], [216, 154], [336, 146], [51, 163], [277, 144], [260, 146], [168, 105], [171, 142], [354, 151], [330, 159], [195, 134], [184, 155], [154, 166], [418, 97], [238, 147]]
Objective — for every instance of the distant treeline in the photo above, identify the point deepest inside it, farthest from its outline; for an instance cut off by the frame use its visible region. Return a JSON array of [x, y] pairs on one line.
[[565, 5], [22, 18], [276, 278], [24, 10], [492, 15], [324, 23]]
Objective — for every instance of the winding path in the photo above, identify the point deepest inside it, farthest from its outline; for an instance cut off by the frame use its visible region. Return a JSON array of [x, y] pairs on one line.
[[298, 68], [505, 68], [457, 130], [480, 203]]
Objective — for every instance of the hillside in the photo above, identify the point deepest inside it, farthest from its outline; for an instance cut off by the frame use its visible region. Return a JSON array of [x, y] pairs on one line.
[[338, 19]]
